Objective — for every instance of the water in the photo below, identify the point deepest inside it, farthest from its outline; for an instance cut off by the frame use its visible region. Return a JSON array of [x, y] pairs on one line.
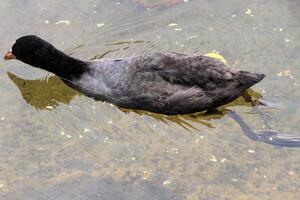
[[58, 144]]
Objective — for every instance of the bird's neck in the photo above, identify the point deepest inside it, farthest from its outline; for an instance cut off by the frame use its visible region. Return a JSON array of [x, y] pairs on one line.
[[60, 64]]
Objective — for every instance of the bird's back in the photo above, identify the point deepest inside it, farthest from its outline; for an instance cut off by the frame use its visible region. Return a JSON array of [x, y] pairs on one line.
[[169, 83]]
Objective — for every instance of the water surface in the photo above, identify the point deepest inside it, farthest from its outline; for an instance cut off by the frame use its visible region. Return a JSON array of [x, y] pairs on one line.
[[58, 144]]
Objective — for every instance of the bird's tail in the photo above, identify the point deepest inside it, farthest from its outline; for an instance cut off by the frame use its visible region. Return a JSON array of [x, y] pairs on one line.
[[249, 79]]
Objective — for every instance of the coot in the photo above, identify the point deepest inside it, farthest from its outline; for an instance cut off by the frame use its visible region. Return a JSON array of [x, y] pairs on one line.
[[168, 83]]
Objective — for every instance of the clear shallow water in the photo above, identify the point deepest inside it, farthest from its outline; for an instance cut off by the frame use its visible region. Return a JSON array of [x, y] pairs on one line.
[[58, 144]]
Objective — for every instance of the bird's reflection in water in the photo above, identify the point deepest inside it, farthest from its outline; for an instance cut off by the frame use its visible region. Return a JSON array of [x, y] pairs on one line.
[[202, 118], [42, 93]]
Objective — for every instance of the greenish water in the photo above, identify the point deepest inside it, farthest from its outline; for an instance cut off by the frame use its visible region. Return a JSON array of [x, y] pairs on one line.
[[58, 144]]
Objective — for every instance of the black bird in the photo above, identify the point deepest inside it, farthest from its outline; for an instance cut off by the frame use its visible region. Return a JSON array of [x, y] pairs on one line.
[[168, 83]]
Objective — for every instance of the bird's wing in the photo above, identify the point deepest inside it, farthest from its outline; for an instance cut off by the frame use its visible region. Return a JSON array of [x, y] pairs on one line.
[[200, 71]]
